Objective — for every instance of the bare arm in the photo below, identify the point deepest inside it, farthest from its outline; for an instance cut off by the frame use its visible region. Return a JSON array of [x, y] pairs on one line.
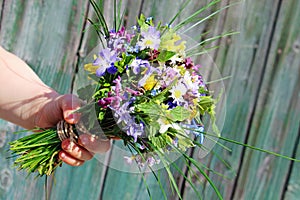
[[26, 101]]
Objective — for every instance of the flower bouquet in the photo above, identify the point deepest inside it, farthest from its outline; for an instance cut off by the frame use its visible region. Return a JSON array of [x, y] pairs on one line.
[[146, 90]]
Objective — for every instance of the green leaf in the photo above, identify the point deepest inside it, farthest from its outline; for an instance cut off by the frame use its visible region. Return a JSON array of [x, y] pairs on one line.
[[165, 55], [149, 108], [178, 114], [184, 142], [85, 93], [161, 140]]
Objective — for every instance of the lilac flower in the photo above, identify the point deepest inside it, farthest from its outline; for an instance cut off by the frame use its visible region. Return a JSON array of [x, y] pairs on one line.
[[135, 130], [118, 86], [122, 114], [170, 75], [152, 161], [150, 39], [113, 102], [137, 64], [105, 60], [133, 92]]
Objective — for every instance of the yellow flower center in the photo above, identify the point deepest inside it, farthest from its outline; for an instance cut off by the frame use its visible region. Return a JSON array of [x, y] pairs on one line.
[[148, 42], [177, 94]]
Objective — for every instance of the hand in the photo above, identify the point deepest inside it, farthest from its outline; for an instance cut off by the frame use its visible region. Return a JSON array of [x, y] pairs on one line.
[[63, 107], [27, 101]]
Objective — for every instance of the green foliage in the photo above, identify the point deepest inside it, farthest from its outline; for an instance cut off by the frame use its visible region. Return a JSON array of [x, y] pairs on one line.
[[178, 113], [165, 55], [37, 152]]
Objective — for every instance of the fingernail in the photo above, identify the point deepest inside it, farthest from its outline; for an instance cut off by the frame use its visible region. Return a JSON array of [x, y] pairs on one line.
[[84, 140], [65, 144], [72, 117], [62, 155]]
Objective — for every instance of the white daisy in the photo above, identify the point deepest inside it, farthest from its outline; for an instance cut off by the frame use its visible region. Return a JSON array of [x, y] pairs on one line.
[[177, 93]]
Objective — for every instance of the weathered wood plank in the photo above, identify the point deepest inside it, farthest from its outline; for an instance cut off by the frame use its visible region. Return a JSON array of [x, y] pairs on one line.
[[46, 35], [293, 187], [243, 59], [13, 184], [277, 115]]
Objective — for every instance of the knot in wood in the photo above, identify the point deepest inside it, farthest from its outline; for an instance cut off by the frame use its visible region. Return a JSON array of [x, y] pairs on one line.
[[6, 179], [296, 47]]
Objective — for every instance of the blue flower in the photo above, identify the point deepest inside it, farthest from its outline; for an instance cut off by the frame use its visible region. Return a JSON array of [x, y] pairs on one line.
[[171, 103], [199, 133], [112, 69], [155, 92]]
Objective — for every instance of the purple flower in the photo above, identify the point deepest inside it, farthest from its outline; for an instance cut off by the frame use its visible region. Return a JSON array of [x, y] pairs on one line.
[[135, 130], [123, 115], [118, 85], [171, 103], [150, 39], [133, 92], [137, 64], [119, 40], [112, 70], [105, 60], [151, 161]]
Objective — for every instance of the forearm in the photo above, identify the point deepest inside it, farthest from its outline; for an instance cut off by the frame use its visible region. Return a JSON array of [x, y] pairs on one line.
[[22, 92]]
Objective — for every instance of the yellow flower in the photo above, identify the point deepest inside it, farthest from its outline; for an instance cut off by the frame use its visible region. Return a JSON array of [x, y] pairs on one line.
[[150, 83], [170, 42], [90, 67]]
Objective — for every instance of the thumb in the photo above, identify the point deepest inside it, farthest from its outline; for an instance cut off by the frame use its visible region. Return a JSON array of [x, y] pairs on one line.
[[69, 104]]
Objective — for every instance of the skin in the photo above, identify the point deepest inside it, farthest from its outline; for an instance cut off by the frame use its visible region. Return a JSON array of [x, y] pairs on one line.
[[28, 102]]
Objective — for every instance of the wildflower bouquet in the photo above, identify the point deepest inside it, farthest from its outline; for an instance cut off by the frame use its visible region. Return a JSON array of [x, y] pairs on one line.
[[146, 90]]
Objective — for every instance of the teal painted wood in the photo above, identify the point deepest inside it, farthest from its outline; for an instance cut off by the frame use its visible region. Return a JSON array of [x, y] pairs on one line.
[[293, 187], [234, 58], [48, 35], [277, 115]]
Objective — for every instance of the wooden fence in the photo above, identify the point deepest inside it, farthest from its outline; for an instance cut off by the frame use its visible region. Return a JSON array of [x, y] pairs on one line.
[[262, 95]]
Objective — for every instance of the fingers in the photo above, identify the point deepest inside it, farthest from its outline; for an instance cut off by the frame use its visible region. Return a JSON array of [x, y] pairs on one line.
[[94, 143], [70, 103], [74, 154], [65, 157]]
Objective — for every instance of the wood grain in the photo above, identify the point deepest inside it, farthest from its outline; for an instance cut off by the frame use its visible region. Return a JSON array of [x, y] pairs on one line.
[[261, 107]]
